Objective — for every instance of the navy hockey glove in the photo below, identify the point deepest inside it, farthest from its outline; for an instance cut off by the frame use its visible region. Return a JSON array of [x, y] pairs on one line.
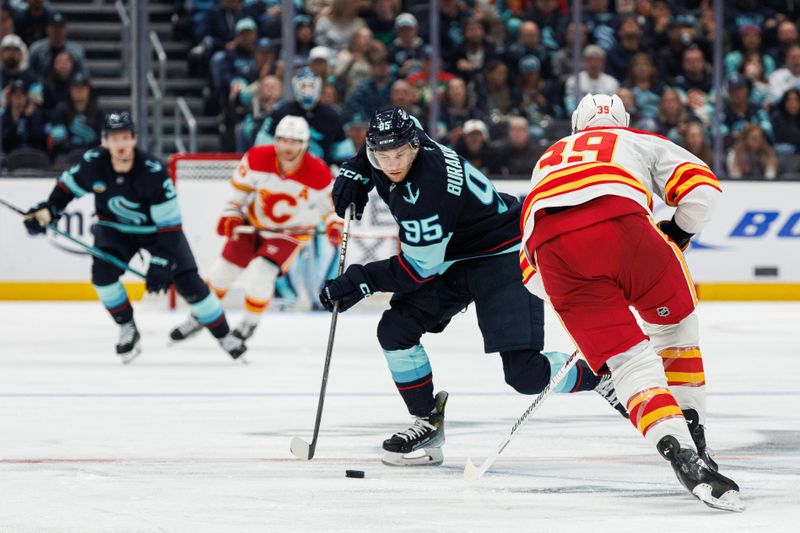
[[159, 275], [348, 289], [38, 217], [675, 234], [350, 187]]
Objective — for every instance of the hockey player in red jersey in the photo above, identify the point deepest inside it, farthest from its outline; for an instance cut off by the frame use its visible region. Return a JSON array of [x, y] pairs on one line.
[[280, 192], [592, 248]]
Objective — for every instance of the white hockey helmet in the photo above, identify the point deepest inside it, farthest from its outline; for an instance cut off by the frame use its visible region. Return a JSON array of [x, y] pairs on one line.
[[292, 127], [599, 110]]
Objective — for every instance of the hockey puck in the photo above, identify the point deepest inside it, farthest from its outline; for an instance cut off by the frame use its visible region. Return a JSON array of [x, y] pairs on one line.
[[354, 473]]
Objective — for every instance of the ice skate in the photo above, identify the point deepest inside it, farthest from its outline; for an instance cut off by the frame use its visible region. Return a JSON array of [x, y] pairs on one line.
[[421, 444], [698, 433], [186, 329], [234, 346], [710, 487], [245, 330], [128, 346], [605, 388]]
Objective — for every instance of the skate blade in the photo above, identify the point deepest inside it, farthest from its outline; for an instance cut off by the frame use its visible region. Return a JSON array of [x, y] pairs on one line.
[[428, 457], [242, 359], [727, 502], [130, 356]]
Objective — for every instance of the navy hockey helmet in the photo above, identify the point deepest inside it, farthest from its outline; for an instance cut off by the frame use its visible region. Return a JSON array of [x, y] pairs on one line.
[[120, 121], [390, 128]]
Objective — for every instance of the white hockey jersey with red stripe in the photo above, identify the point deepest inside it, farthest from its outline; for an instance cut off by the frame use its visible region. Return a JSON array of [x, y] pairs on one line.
[[273, 200], [634, 164]]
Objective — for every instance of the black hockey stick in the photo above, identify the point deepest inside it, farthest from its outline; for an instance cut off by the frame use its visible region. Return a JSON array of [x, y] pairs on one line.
[[300, 448], [97, 252], [472, 472]]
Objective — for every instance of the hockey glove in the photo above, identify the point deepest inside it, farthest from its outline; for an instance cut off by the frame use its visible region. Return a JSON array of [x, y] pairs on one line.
[[350, 187], [675, 234], [348, 289], [39, 216], [159, 275], [228, 223], [333, 230]]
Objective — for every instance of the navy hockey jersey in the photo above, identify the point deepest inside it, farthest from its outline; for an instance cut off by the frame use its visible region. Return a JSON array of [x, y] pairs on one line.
[[447, 211]]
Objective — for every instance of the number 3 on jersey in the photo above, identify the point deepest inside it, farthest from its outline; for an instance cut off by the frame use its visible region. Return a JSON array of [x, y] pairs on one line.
[[602, 143]]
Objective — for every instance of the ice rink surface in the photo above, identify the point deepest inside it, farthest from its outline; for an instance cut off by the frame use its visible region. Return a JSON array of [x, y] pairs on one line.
[[184, 440]]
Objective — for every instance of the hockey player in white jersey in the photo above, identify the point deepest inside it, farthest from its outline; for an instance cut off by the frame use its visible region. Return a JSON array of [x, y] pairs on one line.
[[591, 247], [280, 193]]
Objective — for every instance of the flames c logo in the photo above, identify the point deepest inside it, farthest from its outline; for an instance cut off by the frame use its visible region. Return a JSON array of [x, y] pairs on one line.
[[269, 202]]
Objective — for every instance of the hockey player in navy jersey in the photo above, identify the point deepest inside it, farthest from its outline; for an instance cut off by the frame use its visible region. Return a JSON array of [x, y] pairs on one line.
[[460, 240], [137, 208]]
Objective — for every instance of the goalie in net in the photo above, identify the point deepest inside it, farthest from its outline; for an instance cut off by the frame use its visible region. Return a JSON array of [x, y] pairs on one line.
[[279, 194]]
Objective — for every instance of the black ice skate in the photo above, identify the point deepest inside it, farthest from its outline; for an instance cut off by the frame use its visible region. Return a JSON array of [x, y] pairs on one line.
[[234, 346], [605, 388], [128, 346], [245, 330], [710, 487], [185, 329], [698, 433], [425, 437]]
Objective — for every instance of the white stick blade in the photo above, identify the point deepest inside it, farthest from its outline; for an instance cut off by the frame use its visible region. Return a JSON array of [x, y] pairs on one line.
[[471, 472], [300, 448]]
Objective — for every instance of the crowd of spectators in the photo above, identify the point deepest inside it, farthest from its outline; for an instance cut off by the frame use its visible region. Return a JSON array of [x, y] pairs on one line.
[[507, 85], [47, 100]]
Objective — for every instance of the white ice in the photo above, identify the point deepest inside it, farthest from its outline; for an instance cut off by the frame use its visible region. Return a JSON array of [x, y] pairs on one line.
[[184, 440]]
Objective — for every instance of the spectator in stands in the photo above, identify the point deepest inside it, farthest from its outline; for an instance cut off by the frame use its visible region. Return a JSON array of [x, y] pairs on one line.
[[405, 51], [752, 68], [642, 80], [23, 121], [786, 122], [672, 116], [592, 78], [452, 16], [750, 35], [420, 80], [629, 101], [786, 36], [356, 130], [600, 23], [744, 12], [470, 58], [381, 20], [267, 64], [458, 106], [402, 96], [266, 59], [235, 68], [655, 18], [76, 122], [14, 58], [336, 24], [694, 140], [218, 29], [373, 93], [785, 78], [328, 140], [493, 90], [474, 147], [303, 39], [751, 156], [319, 61], [552, 24], [268, 15], [562, 60], [518, 153], [739, 111], [43, 50], [262, 98], [330, 96], [629, 43], [696, 83], [56, 79], [31, 22], [352, 66], [528, 43], [681, 35], [537, 98], [6, 21]]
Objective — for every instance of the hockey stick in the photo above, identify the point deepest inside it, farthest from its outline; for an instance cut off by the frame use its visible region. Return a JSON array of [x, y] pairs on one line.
[[472, 472], [97, 252], [267, 233], [300, 448]]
